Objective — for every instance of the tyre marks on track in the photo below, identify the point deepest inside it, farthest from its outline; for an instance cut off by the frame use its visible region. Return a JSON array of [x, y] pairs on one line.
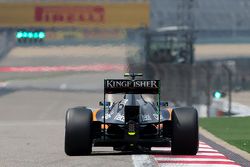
[[206, 157]]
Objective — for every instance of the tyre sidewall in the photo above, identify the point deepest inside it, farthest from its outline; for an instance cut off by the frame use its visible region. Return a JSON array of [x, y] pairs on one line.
[[78, 136], [185, 135]]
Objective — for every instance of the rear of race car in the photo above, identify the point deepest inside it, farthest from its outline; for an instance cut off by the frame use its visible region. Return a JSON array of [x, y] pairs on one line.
[[131, 133], [130, 129]]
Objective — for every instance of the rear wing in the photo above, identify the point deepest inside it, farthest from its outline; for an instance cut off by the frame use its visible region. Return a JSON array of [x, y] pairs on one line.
[[113, 86]]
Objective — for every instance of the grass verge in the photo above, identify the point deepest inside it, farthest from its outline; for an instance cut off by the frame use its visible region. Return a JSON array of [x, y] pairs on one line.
[[234, 130]]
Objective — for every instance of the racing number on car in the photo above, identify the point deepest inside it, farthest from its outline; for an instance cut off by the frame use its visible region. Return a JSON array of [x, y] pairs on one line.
[[146, 118], [119, 117]]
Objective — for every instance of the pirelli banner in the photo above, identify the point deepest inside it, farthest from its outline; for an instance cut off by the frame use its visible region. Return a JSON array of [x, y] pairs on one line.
[[112, 86], [106, 15]]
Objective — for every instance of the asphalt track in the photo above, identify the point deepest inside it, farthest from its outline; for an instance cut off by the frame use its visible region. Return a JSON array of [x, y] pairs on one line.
[[33, 106]]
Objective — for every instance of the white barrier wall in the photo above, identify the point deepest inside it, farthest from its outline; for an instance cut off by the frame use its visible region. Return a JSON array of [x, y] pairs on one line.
[[6, 42], [3, 41]]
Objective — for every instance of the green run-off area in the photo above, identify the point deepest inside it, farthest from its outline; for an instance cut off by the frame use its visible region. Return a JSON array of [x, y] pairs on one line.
[[234, 130]]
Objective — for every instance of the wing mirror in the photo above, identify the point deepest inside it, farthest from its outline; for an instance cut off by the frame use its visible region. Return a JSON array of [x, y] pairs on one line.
[[107, 103], [163, 103]]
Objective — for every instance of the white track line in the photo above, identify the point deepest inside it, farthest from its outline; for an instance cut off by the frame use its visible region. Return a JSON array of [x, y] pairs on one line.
[[208, 149], [192, 159], [210, 154], [141, 161], [169, 149], [206, 157], [204, 146], [196, 165]]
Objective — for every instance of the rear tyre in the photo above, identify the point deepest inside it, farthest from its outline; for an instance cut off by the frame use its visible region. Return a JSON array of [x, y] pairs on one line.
[[185, 135], [78, 137]]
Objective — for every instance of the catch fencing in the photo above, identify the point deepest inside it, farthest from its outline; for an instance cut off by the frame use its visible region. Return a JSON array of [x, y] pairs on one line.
[[187, 84]]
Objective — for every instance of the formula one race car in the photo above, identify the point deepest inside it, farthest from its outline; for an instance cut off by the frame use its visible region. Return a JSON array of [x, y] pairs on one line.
[[132, 123]]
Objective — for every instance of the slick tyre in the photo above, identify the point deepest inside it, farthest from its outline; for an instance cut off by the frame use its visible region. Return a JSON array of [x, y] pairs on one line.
[[185, 135], [78, 137]]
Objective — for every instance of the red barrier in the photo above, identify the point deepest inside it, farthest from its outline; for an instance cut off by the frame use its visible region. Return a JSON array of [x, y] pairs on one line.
[[95, 67]]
